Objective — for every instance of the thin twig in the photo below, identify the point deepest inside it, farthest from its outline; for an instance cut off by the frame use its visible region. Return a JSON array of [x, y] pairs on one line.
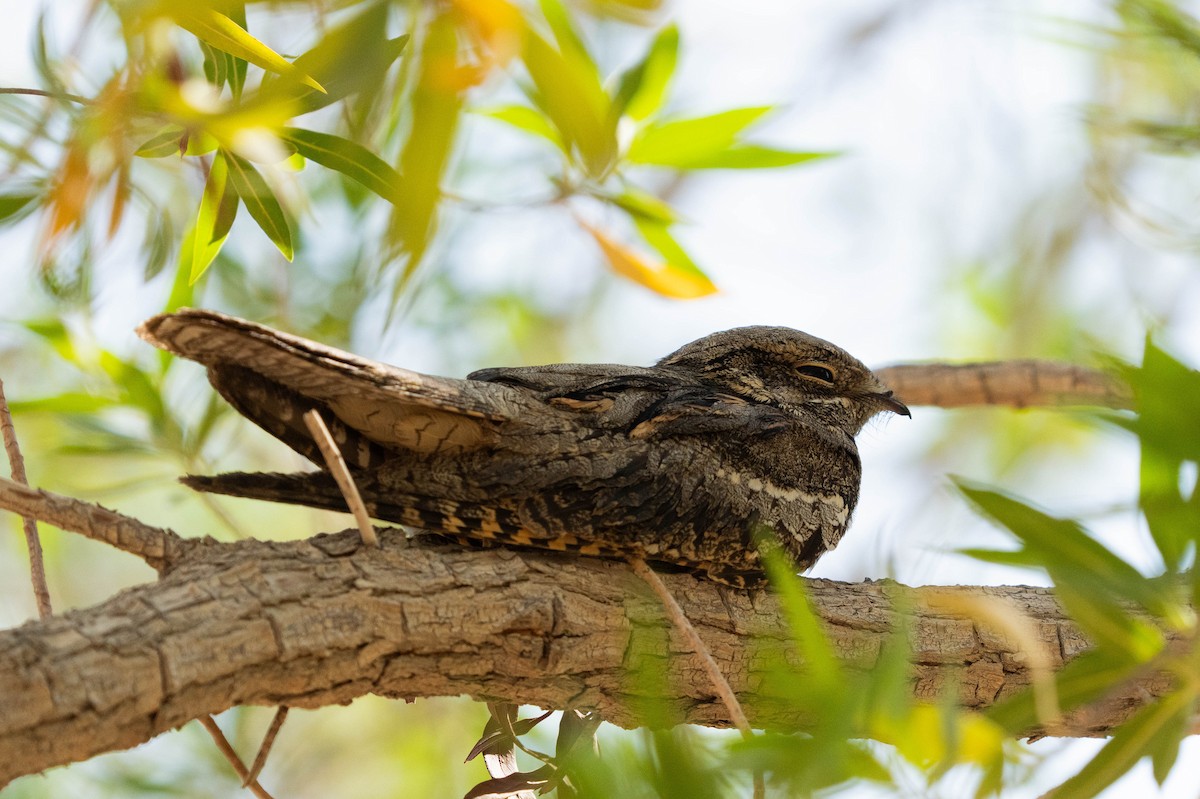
[[74, 98], [675, 613], [337, 467], [37, 565], [226, 749], [681, 622], [158, 546], [264, 748]]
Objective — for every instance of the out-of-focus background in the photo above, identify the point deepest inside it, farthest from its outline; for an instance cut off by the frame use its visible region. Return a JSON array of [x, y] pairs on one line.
[[999, 189]]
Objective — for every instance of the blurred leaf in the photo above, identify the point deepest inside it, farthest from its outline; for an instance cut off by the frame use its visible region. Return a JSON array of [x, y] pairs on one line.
[[1172, 520], [347, 157], [667, 279], [570, 42], [218, 30], [55, 333], [807, 764], [175, 140], [1107, 622], [526, 119], [1076, 561], [351, 57], [11, 205], [642, 89], [570, 94], [1155, 730], [1087, 677], [643, 205], [658, 236], [434, 111], [678, 143], [753, 156], [1168, 403], [260, 202], [822, 668], [215, 65], [68, 403]]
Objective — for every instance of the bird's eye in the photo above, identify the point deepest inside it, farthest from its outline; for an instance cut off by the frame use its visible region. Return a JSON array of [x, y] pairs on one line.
[[816, 372]]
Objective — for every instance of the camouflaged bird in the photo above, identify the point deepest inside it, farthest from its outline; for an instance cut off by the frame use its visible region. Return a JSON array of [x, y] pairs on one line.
[[681, 463]]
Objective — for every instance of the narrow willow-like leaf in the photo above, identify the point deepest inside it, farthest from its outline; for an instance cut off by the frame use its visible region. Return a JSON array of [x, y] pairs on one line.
[[526, 119], [260, 202], [218, 30], [1071, 555], [213, 220], [658, 235], [643, 205], [434, 111], [1155, 728], [347, 157], [822, 667], [1084, 679], [752, 156], [572, 97], [679, 142], [642, 89], [668, 279], [11, 205], [351, 57]]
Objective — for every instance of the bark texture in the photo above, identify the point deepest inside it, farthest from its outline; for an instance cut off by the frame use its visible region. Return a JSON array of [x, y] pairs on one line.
[[322, 621]]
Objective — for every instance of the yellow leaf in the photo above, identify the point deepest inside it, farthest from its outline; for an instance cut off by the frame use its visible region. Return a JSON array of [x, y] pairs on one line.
[[665, 279], [218, 30]]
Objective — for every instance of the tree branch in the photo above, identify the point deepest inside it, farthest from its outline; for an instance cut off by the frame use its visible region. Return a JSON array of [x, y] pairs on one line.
[[1016, 383], [157, 546], [322, 621]]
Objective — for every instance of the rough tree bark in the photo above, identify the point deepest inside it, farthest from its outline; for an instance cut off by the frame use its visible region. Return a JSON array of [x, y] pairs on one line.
[[322, 621]]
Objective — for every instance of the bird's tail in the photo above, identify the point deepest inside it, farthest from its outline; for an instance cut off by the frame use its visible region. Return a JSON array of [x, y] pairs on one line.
[[320, 490]]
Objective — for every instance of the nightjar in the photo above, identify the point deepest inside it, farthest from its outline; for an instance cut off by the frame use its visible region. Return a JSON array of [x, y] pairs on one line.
[[683, 463]]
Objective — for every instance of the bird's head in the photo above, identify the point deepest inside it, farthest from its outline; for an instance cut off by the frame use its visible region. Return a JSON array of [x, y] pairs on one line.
[[791, 370]]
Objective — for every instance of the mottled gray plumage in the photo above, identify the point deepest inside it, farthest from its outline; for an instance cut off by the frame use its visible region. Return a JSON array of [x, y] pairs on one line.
[[680, 463]]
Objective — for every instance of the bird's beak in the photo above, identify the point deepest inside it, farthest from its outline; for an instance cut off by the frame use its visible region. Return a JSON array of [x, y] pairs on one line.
[[888, 400]]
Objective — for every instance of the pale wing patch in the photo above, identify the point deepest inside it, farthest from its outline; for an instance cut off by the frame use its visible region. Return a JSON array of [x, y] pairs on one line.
[[420, 429]]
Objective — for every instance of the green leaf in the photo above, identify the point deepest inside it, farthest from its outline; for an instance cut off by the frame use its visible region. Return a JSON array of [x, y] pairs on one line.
[[350, 58], [215, 71], [642, 88], [167, 142], [11, 205], [753, 156], [1155, 730], [1087, 677], [678, 281], [643, 205], [822, 667], [1168, 403], [570, 94], [677, 143], [218, 207], [1073, 558], [1172, 520], [347, 157], [260, 202], [434, 110], [570, 42], [658, 235], [220, 31], [66, 403], [527, 119]]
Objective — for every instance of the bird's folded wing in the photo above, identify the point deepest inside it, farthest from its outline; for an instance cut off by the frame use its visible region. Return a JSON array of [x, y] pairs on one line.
[[271, 376]]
